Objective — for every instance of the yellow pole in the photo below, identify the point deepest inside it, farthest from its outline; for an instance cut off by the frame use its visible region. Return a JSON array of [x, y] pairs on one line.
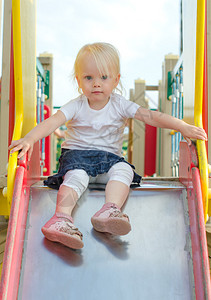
[[18, 96], [199, 76]]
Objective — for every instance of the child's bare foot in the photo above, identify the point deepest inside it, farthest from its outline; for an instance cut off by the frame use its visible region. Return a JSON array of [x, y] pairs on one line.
[[110, 219], [60, 229]]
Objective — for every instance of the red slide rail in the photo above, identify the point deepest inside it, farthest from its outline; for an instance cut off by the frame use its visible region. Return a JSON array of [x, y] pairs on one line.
[[190, 177], [15, 236]]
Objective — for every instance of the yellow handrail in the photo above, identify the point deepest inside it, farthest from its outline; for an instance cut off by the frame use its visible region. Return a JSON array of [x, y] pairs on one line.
[[199, 77], [18, 97]]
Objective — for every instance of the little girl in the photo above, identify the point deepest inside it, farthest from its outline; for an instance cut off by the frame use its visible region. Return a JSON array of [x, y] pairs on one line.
[[91, 151]]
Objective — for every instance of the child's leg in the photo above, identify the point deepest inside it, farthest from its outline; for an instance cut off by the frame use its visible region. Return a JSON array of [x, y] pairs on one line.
[[74, 184], [60, 227], [109, 218], [116, 192], [118, 186], [66, 200]]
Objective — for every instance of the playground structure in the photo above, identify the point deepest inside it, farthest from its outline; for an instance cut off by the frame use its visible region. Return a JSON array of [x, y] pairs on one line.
[[170, 257]]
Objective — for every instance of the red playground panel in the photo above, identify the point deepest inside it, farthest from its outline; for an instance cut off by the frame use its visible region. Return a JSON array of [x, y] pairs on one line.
[[150, 150]]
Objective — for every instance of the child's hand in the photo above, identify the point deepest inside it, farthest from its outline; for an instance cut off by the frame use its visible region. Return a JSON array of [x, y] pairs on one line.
[[190, 131], [26, 144]]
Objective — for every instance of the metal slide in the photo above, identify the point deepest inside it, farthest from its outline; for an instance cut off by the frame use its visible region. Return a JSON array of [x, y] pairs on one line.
[[152, 262]]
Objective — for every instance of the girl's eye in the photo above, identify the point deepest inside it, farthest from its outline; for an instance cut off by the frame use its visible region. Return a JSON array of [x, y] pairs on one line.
[[104, 77], [88, 77]]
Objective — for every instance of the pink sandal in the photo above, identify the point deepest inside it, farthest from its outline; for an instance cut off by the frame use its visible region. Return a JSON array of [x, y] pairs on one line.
[[60, 229], [110, 219]]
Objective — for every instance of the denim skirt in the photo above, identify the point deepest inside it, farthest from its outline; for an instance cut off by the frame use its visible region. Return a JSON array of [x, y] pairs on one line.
[[94, 162]]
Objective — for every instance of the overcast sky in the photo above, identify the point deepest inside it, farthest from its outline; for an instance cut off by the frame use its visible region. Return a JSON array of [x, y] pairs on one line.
[[143, 32]]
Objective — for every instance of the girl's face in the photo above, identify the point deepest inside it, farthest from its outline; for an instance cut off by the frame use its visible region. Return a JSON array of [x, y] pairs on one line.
[[95, 86]]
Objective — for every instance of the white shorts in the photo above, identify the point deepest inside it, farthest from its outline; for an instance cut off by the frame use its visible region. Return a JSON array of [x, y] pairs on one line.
[[78, 179]]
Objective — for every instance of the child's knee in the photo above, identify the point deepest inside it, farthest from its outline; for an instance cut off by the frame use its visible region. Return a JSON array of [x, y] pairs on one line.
[[77, 179], [121, 172]]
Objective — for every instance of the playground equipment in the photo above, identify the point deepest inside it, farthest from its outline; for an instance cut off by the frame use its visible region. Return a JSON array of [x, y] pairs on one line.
[[164, 257], [43, 112], [175, 94]]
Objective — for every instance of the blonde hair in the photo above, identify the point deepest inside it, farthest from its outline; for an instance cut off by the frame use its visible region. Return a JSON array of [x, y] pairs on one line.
[[106, 57]]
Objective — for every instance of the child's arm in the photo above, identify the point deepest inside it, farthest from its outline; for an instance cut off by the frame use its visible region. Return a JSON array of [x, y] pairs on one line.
[[59, 133], [40, 131], [158, 119]]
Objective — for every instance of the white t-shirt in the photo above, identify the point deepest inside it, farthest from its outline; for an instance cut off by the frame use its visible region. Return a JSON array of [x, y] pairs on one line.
[[89, 129]]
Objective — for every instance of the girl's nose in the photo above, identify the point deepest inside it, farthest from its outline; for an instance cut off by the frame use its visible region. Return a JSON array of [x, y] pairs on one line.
[[96, 83]]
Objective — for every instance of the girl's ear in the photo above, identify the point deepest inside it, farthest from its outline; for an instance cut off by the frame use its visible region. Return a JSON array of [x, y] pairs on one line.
[[78, 81], [117, 80]]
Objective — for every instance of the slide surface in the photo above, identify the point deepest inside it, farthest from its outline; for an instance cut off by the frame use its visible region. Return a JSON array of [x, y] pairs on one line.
[[151, 262]]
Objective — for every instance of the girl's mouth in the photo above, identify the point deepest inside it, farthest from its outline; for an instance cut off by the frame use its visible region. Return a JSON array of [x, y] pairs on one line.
[[97, 92]]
